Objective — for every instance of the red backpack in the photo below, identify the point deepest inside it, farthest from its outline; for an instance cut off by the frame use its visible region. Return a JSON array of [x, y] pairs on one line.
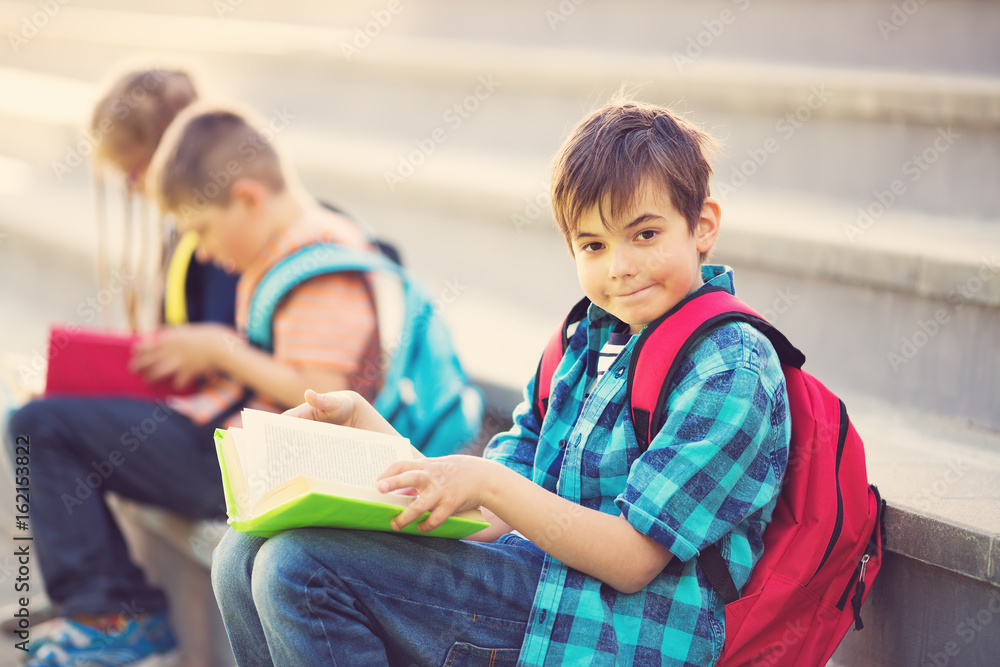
[[816, 561]]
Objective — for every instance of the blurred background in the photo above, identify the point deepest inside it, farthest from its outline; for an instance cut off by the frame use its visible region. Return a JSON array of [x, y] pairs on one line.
[[858, 173]]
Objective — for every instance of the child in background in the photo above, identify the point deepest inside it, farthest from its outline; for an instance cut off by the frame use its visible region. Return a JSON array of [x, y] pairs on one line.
[[128, 122], [591, 558], [325, 335]]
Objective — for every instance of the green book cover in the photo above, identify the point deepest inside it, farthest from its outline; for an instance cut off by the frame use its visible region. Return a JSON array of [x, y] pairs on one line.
[[308, 501]]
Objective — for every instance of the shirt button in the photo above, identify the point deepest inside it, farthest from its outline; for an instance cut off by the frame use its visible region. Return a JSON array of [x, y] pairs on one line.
[[562, 444]]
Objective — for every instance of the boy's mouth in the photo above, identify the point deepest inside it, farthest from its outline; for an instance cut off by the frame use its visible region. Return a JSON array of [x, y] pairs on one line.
[[626, 295]]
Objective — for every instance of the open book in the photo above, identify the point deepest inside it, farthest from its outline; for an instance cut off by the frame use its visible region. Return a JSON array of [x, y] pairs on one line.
[[282, 472]]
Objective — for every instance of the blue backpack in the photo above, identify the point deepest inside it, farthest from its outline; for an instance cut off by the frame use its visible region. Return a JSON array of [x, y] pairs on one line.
[[426, 395]]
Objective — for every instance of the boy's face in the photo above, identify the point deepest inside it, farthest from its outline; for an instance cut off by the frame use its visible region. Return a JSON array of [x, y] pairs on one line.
[[648, 262], [226, 234]]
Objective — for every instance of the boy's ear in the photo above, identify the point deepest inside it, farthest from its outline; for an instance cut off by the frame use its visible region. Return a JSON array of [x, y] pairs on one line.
[[248, 193], [707, 230]]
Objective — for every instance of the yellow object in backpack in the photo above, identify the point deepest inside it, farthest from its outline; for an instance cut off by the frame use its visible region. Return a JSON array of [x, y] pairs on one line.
[[175, 309]]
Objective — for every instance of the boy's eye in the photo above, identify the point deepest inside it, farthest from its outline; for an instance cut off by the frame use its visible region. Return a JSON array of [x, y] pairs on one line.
[[647, 234], [592, 247]]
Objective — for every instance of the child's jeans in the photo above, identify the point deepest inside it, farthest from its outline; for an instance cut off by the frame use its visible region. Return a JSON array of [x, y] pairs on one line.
[[322, 596], [80, 448]]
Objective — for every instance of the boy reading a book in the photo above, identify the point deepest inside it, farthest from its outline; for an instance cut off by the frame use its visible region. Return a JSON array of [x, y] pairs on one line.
[[591, 555], [161, 453]]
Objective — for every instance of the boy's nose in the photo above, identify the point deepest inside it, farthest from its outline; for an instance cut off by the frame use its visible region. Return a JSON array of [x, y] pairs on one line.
[[623, 263]]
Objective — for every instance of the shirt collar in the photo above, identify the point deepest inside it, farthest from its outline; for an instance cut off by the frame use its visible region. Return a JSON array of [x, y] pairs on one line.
[[718, 275]]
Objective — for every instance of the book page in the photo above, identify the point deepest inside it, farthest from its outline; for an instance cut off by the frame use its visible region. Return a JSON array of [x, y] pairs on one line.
[[280, 448]]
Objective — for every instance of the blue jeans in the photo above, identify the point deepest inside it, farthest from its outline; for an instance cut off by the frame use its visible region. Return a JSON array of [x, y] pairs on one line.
[[322, 596], [81, 448]]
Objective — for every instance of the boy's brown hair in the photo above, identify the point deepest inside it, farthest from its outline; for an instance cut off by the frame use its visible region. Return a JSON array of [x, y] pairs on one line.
[[204, 151], [616, 150]]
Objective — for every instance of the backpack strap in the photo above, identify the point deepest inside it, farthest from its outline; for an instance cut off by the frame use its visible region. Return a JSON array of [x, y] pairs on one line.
[[553, 354], [718, 574], [656, 358], [658, 353], [295, 269]]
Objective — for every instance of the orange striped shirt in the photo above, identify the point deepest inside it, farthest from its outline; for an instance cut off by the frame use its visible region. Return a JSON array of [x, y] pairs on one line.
[[327, 322]]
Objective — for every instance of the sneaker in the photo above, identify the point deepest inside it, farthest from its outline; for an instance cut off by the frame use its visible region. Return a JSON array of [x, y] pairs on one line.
[[148, 642], [44, 632]]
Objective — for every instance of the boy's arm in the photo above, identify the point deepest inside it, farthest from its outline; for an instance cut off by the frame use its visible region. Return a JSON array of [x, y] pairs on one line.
[[322, 333], [717, 461], [514, 449], [602, 545], [286, 383], [188, 351], [325, 339], [500, 484]]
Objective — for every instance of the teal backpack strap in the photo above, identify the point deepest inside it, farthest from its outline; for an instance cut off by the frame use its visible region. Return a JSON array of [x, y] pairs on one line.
[[295, 269], [425, 393]]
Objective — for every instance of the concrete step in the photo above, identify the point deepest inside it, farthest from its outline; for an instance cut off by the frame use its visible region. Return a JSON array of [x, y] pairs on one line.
[[897, 311], [861, 130], [954, 36], [742, 84], [939, 589]]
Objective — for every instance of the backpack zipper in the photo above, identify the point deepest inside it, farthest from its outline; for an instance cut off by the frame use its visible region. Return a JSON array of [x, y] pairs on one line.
[[839, 523], [859, 587]]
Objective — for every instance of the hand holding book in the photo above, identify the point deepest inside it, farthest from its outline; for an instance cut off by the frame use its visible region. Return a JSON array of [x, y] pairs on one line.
[[181, 354], [345, 408], [350, 409], [282, 472], [444, 485]]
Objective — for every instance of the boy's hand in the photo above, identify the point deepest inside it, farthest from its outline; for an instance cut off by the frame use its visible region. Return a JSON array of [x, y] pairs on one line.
[[184, 353], [346, 408], [445, 485]]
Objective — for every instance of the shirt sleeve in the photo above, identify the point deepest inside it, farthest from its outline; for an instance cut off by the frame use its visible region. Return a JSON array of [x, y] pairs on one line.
[[516, 448], [721, 453], [327, 322]]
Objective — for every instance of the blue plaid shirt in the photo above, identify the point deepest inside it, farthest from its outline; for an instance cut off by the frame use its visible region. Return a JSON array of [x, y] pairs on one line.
[[712, 474]]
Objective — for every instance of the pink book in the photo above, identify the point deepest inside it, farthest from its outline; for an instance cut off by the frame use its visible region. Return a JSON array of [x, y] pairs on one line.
[[95, 362]]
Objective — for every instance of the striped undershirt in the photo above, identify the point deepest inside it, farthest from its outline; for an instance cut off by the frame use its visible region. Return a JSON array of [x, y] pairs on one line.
[[617, 341]]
